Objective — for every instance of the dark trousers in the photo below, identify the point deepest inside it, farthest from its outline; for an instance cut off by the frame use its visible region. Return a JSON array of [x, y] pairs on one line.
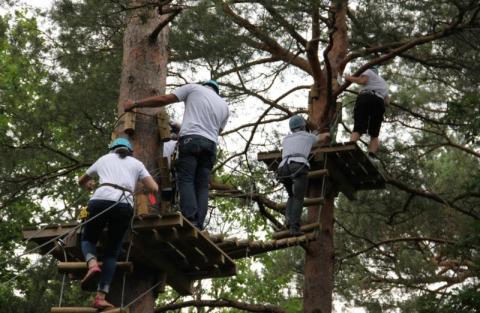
[[117, 219], [294, 178], [368, 114], [195, 161]]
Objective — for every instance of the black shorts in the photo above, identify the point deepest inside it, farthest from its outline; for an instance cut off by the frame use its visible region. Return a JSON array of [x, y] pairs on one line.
[[368, 114]]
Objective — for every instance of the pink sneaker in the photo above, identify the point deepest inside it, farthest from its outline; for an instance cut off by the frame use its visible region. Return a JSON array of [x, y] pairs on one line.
[[101, 303], [90, 281]]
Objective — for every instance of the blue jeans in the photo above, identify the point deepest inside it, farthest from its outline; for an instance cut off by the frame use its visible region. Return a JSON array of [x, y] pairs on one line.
[[118, 220], [195, 161]]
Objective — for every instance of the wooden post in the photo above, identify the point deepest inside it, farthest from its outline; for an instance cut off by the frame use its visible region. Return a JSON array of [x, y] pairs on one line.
[[163, 126]]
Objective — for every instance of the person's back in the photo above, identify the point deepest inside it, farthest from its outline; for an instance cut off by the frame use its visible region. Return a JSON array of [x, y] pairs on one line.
[[293, 170], [111, 206], [206, 113], [297, 146], [375, 83], [124, 172]]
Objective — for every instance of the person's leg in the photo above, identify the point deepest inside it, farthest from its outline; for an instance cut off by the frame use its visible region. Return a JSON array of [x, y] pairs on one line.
[[360, 117], [299, 187], [186, 167], [206, 159], [91, 232], [373, 145], [355, 136], [377, 112], [118, 223], [283, 175]]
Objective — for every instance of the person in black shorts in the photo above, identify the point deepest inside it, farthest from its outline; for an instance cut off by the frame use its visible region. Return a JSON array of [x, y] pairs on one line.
[[369, 107]]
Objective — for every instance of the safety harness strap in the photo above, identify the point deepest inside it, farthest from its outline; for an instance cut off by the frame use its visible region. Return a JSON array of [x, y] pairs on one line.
[[115, 186], [295, 155]]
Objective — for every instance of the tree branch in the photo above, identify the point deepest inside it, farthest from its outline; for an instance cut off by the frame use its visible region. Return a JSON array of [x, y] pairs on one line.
[[269, 44], [222, 303]]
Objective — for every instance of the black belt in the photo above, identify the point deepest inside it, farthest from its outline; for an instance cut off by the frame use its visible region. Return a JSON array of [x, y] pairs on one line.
[[115, 186], [371, 92]]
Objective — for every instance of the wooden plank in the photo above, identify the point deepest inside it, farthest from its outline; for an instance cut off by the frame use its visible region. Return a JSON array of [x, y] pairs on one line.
[[317, 173], [178, 280], [75, 267], [73, 310], [342, 182], [166, 221], [86, 310], [48, 232], [305, 228]]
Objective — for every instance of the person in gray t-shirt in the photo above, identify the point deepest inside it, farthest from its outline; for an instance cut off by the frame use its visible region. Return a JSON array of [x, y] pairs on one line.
[[205, 116], [293, 170], [369, 107]]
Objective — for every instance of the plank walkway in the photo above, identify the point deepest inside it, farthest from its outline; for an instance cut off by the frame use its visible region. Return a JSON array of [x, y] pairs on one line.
[[168, 243], [347, 165]]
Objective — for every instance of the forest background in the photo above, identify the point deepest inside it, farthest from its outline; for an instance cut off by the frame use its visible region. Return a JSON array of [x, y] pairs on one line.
[[412, 247]]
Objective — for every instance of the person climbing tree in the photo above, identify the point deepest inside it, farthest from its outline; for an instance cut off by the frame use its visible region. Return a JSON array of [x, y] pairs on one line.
[[169, 150], [205, 116], [118, 174], [170, 146], [293, 169], [369, 107]]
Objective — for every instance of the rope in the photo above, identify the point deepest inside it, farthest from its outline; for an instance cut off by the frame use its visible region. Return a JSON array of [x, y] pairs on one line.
[[62, 288], [322, 195], [124, 278], [142, 295], [74, 229], [28, 268]]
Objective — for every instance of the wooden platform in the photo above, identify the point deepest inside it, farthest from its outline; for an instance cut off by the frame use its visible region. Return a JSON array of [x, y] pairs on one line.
[[169, 243], [347, 165]]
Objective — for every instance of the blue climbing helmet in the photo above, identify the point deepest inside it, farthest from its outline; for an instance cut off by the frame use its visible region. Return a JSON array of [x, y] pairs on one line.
[[212, 83], [297, 122], [121, 142]]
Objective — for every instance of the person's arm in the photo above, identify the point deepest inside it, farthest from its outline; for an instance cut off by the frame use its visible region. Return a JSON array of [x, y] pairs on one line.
[[150, 184], [86, 182], [155, 101], [362, 79]]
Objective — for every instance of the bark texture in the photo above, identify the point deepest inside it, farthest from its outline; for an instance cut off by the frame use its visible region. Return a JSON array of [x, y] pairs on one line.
[[319, 256], [144, 74]]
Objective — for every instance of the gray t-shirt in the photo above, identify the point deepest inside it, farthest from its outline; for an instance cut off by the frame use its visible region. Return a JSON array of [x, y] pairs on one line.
[[375, 83], [110, 168], [297, 143], [206, 113]]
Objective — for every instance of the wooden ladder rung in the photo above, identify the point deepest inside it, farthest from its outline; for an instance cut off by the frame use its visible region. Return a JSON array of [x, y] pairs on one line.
[[318, 173], [76, 267], [66, 309], [285, 233]]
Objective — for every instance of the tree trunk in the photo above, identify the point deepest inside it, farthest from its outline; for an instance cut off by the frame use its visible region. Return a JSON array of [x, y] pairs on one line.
[[144, 74], [319, 256]]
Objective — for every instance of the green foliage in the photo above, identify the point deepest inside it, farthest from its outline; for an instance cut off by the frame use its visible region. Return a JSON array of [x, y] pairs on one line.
[[59, 90]]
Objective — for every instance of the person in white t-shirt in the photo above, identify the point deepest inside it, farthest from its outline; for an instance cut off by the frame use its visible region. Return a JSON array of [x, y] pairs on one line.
[[110, 205], [293, 169], [369, 107], [206, 115]]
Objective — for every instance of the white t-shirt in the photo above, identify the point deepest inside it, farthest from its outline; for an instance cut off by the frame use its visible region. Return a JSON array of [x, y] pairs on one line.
[[206, 113], [169, 149], [299, 142], [375, 83], [110, 168]]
